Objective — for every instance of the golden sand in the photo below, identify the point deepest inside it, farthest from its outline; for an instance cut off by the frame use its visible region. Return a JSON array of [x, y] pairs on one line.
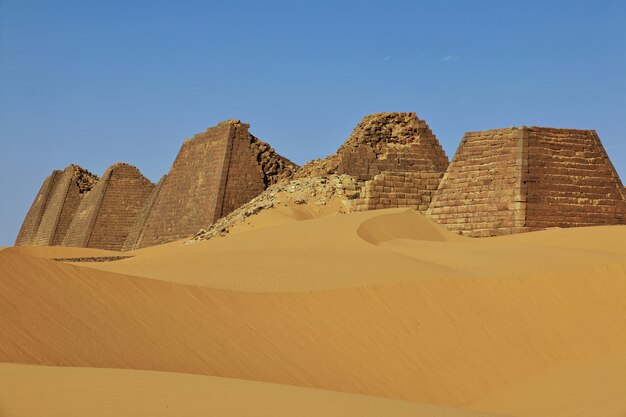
[[380, 304]]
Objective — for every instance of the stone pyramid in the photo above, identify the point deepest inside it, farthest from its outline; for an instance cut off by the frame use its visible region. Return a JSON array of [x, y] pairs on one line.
[[106, 214], [213, 174], [528, 178], [54, 206]]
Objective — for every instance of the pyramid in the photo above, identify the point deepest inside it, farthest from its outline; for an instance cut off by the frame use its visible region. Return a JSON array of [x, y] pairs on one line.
[[105, 216], [520, 179], [49, 217], [395, 155], [213, 174]]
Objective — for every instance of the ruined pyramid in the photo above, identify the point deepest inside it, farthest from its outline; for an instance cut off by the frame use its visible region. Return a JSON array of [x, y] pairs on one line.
[[395, 155]]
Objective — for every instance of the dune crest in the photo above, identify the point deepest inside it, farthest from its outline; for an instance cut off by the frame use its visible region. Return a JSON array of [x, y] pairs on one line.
[[406, 224]]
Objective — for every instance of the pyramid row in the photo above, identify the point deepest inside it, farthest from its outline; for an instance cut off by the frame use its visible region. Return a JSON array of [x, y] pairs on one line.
[[213, 174], [500, 181]]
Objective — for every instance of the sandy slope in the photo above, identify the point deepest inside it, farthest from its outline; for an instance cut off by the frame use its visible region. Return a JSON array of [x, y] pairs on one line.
[[597, 238], [291, 256], [49, 252], [30, 391], [345, 251], [447, 341], [584, 387], [378, 303]]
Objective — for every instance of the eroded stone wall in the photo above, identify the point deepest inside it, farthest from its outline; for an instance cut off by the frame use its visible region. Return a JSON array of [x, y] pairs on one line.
[[105, 218], [390, 142]]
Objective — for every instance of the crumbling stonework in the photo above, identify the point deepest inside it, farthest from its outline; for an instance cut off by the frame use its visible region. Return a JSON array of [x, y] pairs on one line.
[[513, 180], [214, 173], [105, 216], [319, 191], [396, 154], [50, 215]]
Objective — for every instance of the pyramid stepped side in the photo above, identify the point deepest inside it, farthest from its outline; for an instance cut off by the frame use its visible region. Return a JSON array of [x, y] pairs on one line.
[[53, 209], [528, 178], [214, 173], [482, 192], [136, 231], [398, 189], [105, 217], [571, 180]]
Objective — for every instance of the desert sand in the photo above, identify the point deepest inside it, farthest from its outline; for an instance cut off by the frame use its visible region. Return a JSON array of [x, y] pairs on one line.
[[380, 304], [68, 392]]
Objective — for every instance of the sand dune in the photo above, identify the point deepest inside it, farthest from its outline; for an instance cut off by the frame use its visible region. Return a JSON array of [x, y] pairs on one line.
[[585, 387], [79, 392], [389, 305], [596, 238], [318, 254], [379, 247], [444, 341]]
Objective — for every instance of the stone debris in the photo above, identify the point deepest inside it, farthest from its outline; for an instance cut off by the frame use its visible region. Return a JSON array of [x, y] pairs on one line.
[[318, 191]]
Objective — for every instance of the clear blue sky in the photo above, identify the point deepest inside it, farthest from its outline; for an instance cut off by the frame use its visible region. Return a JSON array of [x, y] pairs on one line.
[[96, 82]]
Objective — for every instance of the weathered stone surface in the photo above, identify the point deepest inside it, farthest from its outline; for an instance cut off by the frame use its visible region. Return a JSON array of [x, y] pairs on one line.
[[397, 155], [105, 216], [50, 215], [136, 231], [512, 180], [318, 191], [213, 174]]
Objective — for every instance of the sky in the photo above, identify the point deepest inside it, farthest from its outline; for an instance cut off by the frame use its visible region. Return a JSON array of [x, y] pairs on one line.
[[99, 82]]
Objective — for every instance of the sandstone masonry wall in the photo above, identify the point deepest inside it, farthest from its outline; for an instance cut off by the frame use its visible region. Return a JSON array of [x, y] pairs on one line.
[[243, 176], [105, 218], [189, 193], [49, 218], [136, 231], [27, 232], [482, 192], [399, 189], [571, 180], [521, 179]]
